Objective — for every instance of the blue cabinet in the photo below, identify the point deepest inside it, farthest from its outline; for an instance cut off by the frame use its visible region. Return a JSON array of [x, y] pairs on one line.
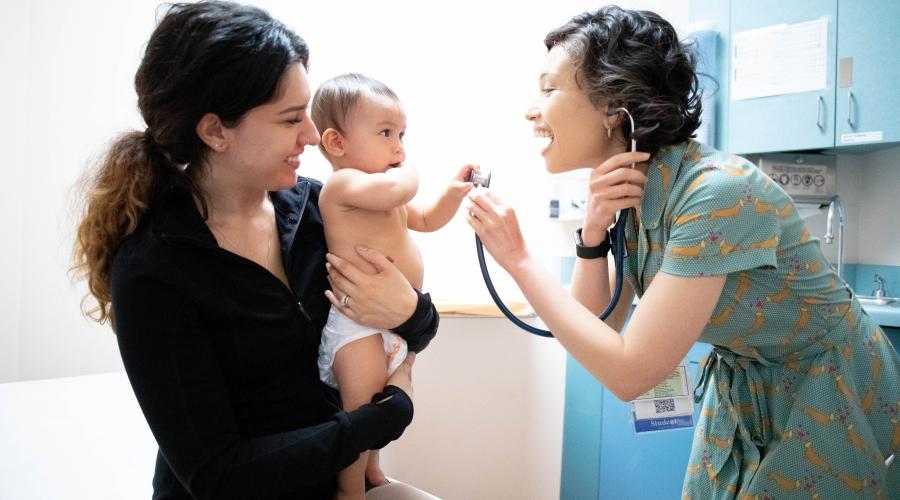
[[868, 55], [857, 109], [603, 457], [788, 122]]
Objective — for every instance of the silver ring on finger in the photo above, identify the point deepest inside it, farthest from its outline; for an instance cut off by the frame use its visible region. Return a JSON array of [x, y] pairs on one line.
[[345, 300]]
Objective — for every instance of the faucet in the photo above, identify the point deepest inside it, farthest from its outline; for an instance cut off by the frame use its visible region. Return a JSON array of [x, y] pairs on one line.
[[879, 292], [835, 207]]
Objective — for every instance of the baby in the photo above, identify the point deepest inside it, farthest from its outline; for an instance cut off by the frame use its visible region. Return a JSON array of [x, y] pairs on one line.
[[367, 201]]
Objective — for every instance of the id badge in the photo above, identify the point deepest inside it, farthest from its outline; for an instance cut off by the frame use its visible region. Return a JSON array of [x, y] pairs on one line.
[[667, 406]]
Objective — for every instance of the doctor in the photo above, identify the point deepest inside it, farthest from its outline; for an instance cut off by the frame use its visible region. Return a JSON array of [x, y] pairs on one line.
[[801, 393]]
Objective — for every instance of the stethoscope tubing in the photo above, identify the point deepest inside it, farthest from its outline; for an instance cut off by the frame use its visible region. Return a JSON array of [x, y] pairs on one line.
[[617, 236]]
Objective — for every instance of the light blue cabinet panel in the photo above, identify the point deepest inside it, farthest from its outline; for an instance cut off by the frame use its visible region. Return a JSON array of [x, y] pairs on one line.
[[868, 99], [717, 13], [603, 457], [788, 122]]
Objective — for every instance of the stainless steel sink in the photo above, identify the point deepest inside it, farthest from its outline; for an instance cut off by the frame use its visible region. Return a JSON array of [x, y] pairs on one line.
[[869, 300]]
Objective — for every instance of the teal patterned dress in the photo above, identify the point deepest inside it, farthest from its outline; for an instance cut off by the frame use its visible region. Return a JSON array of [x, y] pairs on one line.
[[801, 394]]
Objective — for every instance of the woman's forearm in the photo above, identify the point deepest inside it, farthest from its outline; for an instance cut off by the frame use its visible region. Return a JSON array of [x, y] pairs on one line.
[[422, 326], [590, 283], [595, 345]]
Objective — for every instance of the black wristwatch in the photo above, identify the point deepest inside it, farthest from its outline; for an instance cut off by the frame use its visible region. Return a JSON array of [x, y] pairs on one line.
[[596, 252]]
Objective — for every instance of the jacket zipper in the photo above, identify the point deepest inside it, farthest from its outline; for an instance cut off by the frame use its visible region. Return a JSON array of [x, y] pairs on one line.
[[288, 289], [303, 311]]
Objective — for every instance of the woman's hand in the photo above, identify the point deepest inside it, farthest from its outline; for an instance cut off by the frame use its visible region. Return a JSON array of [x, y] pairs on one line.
[[497, 226], [402, 376], [381, 300], [614, 186]]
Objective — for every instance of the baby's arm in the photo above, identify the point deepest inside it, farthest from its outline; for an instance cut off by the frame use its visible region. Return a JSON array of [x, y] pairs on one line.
[[431, 218], [380, 191]]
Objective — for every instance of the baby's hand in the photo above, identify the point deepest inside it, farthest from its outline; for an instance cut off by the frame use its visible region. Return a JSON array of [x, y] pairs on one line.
[[460, 184]]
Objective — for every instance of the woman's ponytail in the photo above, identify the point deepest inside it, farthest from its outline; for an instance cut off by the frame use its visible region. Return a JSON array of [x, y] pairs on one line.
[[115, 197]]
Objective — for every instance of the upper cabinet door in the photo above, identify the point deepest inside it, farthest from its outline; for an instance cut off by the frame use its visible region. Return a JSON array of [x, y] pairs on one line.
[[785, 122], [868, 75]]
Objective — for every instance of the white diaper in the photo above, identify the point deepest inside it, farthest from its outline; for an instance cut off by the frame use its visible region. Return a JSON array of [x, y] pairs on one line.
[[340, 330]]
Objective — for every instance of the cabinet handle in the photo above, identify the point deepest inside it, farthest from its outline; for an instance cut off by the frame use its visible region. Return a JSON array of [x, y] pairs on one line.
[[850, 109], [819, 103]]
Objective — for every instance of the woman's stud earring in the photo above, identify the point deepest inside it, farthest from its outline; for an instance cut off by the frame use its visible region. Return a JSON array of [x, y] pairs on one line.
[[609, 132]]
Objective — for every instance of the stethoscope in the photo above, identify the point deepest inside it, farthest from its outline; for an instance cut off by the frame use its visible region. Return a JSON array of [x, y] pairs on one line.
[[617, 244]]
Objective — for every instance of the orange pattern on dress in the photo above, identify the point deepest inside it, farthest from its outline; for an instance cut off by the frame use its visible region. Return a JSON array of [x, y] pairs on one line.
[[783, 482], [664, 170], [855, 439], [813, 267], [757, 323], [818, 417], [725, 248], [743, 286], [814, 457], [722, 317], [785, 210], [684, 219], [695, 183], [727, 213], [854, 484], [762, 207], [804, 319], [688, 251], [785, 292], [735, 171], [769, 243], [867, 401], [844, 389]]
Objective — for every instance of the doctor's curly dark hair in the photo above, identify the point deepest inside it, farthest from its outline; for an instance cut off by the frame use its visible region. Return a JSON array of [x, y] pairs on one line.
[[633, 59]]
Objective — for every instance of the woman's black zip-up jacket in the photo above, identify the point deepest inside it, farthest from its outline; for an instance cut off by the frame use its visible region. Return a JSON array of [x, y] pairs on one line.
[[222, 356]]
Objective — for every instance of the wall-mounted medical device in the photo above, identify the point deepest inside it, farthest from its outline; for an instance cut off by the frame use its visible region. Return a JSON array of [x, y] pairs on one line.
[[807, 178]]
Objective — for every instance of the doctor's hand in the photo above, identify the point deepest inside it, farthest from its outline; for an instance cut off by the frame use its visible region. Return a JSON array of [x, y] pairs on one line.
[[497, 226], [614, 186]]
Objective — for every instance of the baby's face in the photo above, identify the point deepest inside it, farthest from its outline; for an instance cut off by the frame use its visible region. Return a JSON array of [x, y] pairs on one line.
[[373, 141]]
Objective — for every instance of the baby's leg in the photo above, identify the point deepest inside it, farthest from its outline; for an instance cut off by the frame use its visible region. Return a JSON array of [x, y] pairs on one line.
[[360, 368]]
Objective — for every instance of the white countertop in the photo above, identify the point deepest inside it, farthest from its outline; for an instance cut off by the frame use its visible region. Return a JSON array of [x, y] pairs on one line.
[[74, 438]]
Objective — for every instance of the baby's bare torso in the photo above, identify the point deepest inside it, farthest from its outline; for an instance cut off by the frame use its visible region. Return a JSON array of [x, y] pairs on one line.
[[385, 231]]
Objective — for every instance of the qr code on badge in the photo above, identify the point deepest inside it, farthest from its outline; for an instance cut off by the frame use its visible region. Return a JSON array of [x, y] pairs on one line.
[[664, 405]]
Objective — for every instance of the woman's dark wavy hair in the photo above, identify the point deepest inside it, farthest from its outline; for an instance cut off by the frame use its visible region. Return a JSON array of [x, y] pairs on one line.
[[207, 57], [633, 59]]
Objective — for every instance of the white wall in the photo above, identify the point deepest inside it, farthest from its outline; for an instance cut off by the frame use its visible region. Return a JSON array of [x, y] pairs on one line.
[[15, 26], [879, 208], [465, 74], [465, 79], [867, 184]]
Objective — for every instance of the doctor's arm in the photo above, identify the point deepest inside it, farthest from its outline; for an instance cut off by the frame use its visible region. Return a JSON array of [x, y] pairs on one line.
[[613, 187], [593, 283], [668, 320]]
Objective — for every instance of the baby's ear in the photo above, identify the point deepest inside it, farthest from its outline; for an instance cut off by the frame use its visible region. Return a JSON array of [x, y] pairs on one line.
[[333, 142]]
